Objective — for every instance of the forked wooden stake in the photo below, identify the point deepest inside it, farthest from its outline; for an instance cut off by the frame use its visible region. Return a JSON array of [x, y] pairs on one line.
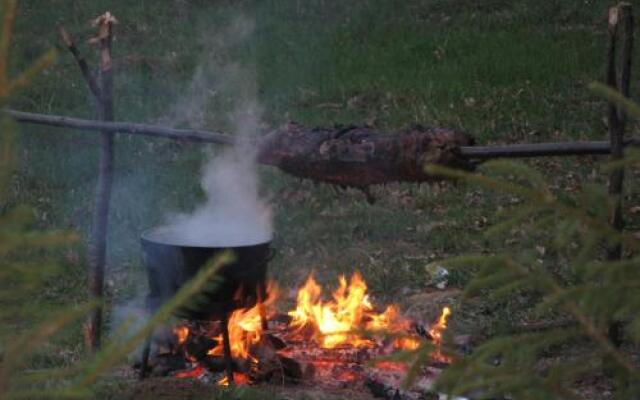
[[102, 91], [98, 248], [620, 30]]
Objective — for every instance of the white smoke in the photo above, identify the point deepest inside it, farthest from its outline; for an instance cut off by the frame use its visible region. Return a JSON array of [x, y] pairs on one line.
[[233, 213]]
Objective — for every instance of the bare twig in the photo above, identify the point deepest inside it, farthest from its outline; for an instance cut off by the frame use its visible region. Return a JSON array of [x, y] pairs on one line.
[[67, 39]]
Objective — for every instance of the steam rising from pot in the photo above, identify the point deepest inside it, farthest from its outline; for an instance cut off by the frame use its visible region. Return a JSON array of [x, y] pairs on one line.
[[233, 214]]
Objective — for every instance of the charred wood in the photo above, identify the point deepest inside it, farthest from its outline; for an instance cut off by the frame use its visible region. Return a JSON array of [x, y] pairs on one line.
[[198, 346], [218, 364], [314, 353], [163, 364], [275, 341], [294, 369]]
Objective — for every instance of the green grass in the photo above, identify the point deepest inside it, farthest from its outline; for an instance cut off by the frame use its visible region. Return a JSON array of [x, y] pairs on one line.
[[505, 71]]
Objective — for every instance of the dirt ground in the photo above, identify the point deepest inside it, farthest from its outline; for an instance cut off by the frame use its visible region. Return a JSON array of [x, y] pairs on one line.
[[168, 388]]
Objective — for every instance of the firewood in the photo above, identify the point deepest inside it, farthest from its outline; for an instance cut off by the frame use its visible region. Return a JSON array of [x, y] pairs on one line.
[[165, 364], [198, 346], [314, 353], [291, 368], [275, 341], [218, 364]]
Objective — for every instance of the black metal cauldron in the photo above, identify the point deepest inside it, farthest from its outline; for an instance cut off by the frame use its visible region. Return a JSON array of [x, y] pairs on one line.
[[171, 263]]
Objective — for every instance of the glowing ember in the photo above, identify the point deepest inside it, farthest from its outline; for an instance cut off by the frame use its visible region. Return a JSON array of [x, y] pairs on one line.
[[407, 343], [195, 372], [238, 379], [391, 366], [333, 322]]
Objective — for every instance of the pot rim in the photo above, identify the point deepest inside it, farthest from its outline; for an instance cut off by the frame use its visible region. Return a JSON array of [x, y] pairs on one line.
[[153, 235]]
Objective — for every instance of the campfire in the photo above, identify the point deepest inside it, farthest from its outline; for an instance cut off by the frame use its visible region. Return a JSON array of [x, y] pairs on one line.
[[335, 340], [231, 330]]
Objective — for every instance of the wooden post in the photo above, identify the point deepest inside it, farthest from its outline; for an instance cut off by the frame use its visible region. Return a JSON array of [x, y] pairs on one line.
[[620, 30], [98, 243]]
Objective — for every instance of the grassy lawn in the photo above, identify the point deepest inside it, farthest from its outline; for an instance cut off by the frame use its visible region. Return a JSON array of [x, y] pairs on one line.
[[505, 71]]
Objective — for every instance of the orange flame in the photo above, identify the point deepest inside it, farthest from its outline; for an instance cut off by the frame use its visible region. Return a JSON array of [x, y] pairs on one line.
[[245, 327], [436, 332], [333, 322], [336, 322], [238, 379], [440, 326], [181, 332]]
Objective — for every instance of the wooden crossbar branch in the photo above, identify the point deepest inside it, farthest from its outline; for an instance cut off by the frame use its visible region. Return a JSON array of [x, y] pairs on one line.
[[187, 135], [569, 148]]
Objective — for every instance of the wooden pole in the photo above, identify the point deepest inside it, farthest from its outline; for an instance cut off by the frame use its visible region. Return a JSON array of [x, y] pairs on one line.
[[549, 149], [620, 24], [88, 125], [98, 244], [620, 29], [573, 148]]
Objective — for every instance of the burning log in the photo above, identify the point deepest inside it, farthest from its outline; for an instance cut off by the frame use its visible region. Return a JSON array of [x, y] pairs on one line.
[[198, 346], [313, 353], [275, 341], [296, 370], [336, 343]]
